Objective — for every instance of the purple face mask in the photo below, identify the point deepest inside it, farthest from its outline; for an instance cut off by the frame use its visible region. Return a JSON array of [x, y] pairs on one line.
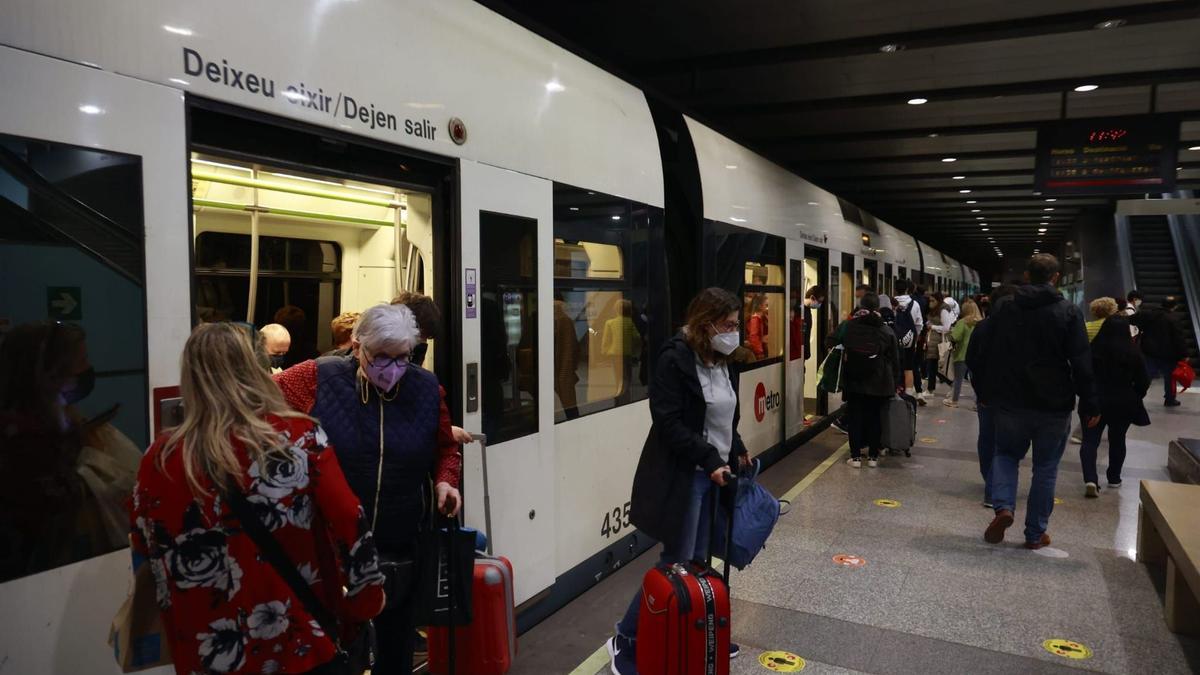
[[385, 377]]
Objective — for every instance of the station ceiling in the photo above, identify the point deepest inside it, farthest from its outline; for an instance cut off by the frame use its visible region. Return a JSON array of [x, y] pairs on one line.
[[823, 88]]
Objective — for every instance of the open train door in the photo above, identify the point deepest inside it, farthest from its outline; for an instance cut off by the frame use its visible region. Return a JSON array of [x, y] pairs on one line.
[[93, 196], [508, 359]]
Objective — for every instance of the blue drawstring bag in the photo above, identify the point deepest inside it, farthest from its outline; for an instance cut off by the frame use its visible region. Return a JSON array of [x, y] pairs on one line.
[[755, 513]]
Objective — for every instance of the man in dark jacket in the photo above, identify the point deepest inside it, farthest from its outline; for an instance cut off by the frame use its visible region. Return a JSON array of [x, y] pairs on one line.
[[1161, 340], [1036, 360], [871, 375]]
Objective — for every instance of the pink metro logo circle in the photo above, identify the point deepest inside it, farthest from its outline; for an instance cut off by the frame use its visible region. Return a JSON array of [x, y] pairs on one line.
[[764, 401]]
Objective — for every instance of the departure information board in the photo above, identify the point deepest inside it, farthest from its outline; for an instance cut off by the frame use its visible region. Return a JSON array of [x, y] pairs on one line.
[[1110, 155]]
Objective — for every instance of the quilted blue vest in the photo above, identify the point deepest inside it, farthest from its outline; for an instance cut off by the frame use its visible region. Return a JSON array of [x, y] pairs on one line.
[[410, 425]]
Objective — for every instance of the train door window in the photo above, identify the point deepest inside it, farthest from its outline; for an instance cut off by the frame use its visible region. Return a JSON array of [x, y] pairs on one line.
[[835, 290], [298, 248], [846, 292], [73, 371], [902, 273], [763, 310], [886, 280], [508, 325], [796, 310], [870, 267], [601, 300]]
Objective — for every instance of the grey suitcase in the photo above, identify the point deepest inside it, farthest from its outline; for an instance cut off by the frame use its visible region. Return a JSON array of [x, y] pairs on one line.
[[898, 422]]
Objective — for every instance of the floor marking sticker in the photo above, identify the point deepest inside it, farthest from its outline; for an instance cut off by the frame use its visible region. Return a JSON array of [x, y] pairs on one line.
[[941, 421], [928, 439], [1067, 648], [781, 662], [849, 560], [1058, 500], [886, 503]]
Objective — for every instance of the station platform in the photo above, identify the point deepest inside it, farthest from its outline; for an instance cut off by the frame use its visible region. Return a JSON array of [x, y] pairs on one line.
[[930, 595]]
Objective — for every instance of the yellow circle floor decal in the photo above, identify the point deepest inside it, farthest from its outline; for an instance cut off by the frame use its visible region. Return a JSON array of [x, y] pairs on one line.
[[781, 662], [887, 503], [928, 439], [1058, 500], [1067, 648]]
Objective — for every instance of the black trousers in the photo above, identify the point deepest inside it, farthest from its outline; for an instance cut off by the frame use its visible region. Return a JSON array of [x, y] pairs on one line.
[[865, 423], [394, 633]]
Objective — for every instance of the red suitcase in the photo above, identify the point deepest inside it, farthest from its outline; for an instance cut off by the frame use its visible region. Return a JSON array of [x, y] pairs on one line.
[[488, 645], [683, 625]]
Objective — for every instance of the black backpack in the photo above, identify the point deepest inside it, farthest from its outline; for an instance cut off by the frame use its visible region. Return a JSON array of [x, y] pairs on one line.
[[904, 327], [863, 345]]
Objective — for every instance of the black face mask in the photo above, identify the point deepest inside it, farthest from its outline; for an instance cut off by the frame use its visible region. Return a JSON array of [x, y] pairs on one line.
[[84, 383], [277, 360], [418, 354]]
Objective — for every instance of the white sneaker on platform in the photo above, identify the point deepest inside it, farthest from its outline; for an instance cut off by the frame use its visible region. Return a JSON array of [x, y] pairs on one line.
[[854, 463]]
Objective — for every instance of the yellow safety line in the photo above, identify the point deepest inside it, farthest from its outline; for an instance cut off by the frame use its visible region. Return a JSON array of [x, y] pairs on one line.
[[599, 657]]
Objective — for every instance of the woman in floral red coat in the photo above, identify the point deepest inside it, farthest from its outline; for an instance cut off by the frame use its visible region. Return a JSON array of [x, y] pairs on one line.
[[225, 609]]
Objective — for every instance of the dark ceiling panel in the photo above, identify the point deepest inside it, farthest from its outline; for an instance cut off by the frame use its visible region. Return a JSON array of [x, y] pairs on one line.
[[805, 84]]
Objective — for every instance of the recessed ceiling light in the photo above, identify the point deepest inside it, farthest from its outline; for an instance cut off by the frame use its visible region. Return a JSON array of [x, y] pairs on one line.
[[1048, 208], [555, 86], [975, 210], [979, 217], [983, 229], [933, 135], [1041, 230], [90, 109], [1087, 87], [616, 217], [972, 201], [891, 47], [964, 192], [918, 101], [1052, 200], [1111, 23], [574, 208], [959, 177], [949, 159], [178, 31]]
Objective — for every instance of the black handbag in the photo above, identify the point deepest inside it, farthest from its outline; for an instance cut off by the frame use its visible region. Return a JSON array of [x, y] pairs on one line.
[[445, 558], [348, 660]]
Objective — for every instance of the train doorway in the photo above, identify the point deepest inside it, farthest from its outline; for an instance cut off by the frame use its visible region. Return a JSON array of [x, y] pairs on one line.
[[816, 327]]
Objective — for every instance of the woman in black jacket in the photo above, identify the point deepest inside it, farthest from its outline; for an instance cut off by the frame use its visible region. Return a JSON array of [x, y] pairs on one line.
[[693, 443], [871, 375], [1121, 384]]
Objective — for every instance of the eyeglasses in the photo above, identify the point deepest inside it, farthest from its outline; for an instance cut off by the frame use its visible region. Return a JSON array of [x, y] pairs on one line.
[[385, 361], [728, 326]]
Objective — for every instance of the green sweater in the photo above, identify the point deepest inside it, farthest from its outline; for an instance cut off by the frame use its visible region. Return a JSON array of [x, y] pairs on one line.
[[960, 335]]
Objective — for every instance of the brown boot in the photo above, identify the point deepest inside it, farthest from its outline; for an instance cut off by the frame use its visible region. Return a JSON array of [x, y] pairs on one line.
[[994, 534], [1034, 545]]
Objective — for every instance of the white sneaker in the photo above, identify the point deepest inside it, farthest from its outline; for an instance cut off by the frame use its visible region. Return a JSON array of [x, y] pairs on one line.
[[949, 403], [1091, 490], [872, 463], [1077, 440], [855, 463]]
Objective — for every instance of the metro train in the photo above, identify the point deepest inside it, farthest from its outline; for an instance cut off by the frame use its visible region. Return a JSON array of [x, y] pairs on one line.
[[167, 163]]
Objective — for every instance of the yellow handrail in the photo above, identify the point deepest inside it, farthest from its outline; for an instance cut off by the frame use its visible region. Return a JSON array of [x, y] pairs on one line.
[[279, 187]]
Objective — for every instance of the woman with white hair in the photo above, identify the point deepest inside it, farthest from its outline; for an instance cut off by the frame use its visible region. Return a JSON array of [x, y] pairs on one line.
[[392, 434]]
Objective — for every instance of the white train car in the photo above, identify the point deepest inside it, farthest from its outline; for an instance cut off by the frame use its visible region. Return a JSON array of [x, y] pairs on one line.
[[169, 163]]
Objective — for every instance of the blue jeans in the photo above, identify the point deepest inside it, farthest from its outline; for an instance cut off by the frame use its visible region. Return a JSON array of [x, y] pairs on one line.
[[1166, 368], [692, 545], [1016, 430], [986, 446], [960, 375]]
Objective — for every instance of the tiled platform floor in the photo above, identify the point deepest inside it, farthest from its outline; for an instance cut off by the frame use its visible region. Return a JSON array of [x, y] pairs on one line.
[[933, 596]]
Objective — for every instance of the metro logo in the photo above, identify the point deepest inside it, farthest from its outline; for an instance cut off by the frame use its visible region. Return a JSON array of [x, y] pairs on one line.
[[764, 401]]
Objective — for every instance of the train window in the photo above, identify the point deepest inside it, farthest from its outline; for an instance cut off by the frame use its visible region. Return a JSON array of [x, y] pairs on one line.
[[763, 315], [508, 325], [73, 375], [796, 311], [759, 274], [751, 263], [601, 297]]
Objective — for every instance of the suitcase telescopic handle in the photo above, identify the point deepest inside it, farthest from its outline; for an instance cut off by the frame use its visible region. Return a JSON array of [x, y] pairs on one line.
[[718, 492], [481, 439]]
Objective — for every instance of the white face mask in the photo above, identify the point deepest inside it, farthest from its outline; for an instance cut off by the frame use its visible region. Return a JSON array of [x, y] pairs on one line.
[[725, 343]]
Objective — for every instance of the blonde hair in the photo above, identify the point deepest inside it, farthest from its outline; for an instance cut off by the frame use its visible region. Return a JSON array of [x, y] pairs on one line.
[[226, 397], [970, 312], [1102, 308]]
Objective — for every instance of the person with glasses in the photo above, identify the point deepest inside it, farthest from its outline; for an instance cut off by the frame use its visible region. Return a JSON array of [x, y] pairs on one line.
[[693, 443], [391, 430]]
